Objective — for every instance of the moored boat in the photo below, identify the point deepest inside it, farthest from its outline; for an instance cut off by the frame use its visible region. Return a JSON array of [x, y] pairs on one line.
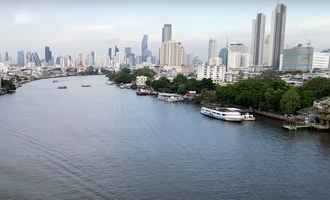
[[248, 117], [62, 87], [169, 97], [144, 92], [223, 114]]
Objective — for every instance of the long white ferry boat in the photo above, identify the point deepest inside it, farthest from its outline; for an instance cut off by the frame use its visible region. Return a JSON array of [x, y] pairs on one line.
[[170, 97], [223, 114]]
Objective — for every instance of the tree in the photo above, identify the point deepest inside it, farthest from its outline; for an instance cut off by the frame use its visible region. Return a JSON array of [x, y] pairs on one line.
[[290, 101], [206, 84], [307, 98], [123, 76], [144, 72], [162, 85], [8, 85], [272, 99], [320, 87]]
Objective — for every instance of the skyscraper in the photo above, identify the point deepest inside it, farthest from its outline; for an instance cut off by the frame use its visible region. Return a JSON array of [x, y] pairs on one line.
[[128, 51], [223, 54], [145, 52], [116, 50], [238, 56], [171, 53], [258, 35], [167, 32], [212, 47], [20, 58], [36, 59], [110, 53], [267, 44], [299, 58], [48, 55], [6, 56], [93, 59], [277, 35]]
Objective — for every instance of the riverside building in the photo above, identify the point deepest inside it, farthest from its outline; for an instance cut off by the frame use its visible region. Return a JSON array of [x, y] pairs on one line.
[[299, 58]]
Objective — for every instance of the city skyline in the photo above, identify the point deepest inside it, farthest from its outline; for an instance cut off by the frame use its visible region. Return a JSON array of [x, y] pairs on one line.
[[85, 30]]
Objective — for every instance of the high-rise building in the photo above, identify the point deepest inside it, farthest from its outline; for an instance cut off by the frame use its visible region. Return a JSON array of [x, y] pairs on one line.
[[257, 44], [171, 53], [20, 58], [48, 55], [128, 51], [238, 56], [92, 59], [277, 35], [145, 52], [110, 53], [28, 57], [36, 59], [116, 50], [167, 32], [299, 58], [58, 60], [267, 44], [321, 60], [129, 57], [6, 56], [223, 54], [212, 51], [216, 73]]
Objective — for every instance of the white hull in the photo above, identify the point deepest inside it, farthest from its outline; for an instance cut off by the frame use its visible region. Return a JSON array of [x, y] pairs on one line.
[[222, 115]]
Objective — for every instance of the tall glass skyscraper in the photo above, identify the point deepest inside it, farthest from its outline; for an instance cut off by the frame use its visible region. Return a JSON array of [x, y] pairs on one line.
[[20, 58], [277, 35], [258, 37], [145, 52], [223, 54], [48, 55]]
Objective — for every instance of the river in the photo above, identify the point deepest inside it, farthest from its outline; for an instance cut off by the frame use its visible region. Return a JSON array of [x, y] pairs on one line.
[[104, 142]]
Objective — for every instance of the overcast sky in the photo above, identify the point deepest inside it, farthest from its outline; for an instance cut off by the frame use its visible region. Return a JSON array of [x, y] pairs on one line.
[[74, 26]]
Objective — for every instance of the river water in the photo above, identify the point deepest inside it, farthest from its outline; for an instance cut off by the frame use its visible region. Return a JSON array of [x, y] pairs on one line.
[[103, 143]]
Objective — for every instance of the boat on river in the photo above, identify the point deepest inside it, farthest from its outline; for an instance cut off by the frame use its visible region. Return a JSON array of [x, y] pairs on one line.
[[62, 87], [145, 92], [225, 114], [170, 97], [85, 85]]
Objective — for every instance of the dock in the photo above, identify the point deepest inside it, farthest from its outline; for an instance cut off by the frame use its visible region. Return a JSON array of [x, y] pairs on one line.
[[296, 127]]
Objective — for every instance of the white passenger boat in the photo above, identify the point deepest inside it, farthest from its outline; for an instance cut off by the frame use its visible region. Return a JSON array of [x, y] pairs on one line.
[[170, 97], [223, 114]]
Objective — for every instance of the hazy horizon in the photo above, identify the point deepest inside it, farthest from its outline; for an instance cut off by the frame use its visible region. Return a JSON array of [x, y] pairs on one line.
[[71, 27]]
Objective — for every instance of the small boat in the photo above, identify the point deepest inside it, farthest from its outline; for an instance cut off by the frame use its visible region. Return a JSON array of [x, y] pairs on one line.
[[85, 85], [125, 86], [145, 92], [223, 114], [55, 81], [110, 83], [169, 97], [248, 117], [62, 87]]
